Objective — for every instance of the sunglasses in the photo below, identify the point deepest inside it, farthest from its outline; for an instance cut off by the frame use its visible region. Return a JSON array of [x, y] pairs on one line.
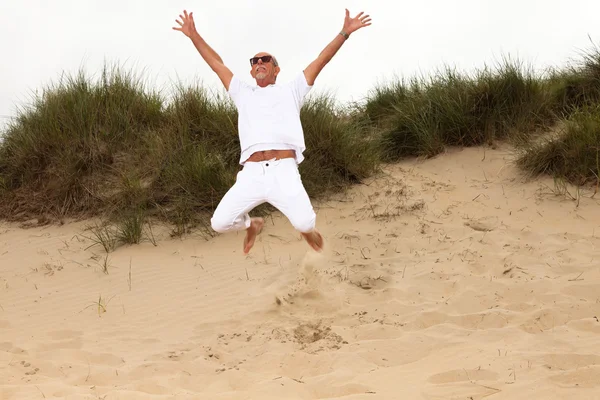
[[265, 59]]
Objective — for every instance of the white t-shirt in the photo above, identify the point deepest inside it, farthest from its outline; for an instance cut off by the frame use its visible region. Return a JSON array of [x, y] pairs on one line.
[[269, 117]]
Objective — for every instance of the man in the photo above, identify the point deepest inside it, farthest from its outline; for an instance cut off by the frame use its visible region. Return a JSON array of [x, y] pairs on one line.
[[271, 136]]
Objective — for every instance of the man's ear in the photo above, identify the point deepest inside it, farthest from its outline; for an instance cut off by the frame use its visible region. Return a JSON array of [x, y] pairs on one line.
[[277, 69]]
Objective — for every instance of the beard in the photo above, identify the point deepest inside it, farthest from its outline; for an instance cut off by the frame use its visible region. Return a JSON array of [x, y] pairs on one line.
[[261, 75]]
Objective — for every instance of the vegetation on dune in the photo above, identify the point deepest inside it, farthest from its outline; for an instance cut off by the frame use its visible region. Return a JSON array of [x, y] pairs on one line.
[[572, 154], [339, 152], [576, 85], [59, 155], [420, 117], [116, 149], [423, 116]]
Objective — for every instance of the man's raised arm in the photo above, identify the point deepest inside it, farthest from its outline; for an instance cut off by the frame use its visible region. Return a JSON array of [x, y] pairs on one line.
[[214, 61], [350, 25]]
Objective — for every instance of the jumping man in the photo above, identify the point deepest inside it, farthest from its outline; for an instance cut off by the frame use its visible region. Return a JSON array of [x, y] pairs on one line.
[[271, 136]]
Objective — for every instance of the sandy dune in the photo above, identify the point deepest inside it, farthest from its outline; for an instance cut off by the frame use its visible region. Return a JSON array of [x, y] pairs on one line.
[[451, 278]]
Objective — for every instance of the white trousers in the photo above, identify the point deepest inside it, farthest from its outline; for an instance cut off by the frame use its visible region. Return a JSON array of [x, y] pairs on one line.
[[276, 182]]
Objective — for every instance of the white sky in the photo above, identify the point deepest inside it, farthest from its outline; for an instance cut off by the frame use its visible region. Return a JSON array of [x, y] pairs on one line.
[[39, 39]]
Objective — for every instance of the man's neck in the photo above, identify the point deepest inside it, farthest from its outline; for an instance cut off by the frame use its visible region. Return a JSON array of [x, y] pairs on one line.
[[264, 82]]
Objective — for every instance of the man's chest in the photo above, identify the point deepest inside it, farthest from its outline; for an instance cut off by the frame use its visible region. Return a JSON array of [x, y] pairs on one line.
[[272, 99]]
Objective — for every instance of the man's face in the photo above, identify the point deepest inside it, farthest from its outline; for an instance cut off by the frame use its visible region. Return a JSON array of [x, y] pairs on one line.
[[263, 67]]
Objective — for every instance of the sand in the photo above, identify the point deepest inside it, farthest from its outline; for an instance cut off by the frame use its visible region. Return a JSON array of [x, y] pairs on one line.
[[449, 278]]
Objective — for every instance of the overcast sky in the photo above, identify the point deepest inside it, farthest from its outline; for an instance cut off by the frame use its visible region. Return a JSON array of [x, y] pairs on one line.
[[39, 39]]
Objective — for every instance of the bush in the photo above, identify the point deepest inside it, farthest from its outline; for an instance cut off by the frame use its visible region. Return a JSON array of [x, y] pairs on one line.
[[339, 152], [572, 154], [111, 148], [577, 85], [58, 152], [451, 109]]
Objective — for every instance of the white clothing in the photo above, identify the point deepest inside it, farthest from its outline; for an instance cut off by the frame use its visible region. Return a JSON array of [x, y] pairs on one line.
[[277, 182], [269, 117]]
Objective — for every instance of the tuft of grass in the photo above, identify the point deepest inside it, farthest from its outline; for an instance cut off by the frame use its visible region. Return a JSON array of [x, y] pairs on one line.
[[101, 304], [102, 234], [578, 84], [339, 152], [130, 228], [105, 264], [572, 154]]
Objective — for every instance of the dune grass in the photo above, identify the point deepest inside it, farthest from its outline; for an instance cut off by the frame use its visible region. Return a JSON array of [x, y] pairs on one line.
[[420, 117], [578, 84], [115, 149], [60, 154], [339, 152], [573, 153]]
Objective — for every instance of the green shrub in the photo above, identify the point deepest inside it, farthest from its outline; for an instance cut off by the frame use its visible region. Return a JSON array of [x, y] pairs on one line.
[[572, 154], [451, 109]]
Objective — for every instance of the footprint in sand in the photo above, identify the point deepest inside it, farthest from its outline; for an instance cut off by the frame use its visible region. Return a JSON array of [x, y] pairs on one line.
[[485, 224], [313, 337], [317, 337], [31, 370]]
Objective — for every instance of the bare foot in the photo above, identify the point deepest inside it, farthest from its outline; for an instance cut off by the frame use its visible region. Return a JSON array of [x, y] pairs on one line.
[[314, 240], [254, 229]]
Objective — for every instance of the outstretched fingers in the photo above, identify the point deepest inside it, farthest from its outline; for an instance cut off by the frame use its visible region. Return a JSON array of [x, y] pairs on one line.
[[180, 25], [189, 16], [364, 19], [184, 19]]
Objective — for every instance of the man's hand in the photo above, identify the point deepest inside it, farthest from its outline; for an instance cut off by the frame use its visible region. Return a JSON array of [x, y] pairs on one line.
[[354, 24], [188, 27], [350, 25], [214, 61]]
